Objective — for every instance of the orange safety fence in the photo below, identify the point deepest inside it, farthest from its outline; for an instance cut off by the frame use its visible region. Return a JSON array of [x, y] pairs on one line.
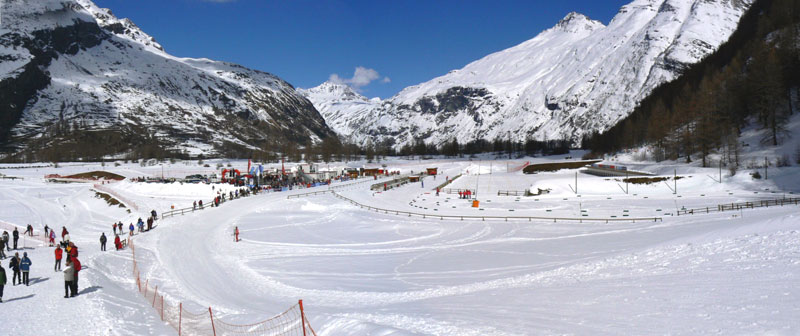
[[124, 200], [289, 323], [518, 168], [6, 226]]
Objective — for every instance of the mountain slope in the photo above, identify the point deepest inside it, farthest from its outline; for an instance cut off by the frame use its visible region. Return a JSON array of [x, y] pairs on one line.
[[70, 69], [569, 80]]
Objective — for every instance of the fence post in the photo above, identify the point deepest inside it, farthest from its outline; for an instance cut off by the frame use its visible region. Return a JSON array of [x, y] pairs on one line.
[[214, 329], [155, 295], [145, 287], [162, 307], [302, 317], [180, 317]]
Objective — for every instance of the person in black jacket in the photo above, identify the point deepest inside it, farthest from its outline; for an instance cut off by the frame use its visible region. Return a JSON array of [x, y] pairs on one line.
[[103, 242], [3, 281], [16, 237], [14, 265]]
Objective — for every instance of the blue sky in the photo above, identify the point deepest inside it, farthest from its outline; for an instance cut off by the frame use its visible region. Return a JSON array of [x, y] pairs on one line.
[[394, 43]]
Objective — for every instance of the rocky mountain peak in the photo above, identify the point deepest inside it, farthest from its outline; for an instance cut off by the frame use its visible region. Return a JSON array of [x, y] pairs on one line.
[[576, 22]]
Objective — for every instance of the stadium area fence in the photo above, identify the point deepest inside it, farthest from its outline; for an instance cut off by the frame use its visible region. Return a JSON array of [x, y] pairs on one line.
[[740, 206], [482, 218], [292, 322], [124, 200]]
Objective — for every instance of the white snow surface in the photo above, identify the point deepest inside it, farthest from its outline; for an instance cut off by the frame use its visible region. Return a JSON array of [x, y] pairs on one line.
[[575, 78], [361, 272]]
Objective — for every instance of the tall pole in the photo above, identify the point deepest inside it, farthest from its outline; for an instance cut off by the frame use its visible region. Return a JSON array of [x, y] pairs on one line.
[[478, 182], [720, 170], [576, 182], [675, 180], [766, 168]]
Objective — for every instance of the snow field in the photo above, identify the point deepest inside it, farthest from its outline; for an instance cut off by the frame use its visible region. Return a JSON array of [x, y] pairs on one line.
[[367, 273]]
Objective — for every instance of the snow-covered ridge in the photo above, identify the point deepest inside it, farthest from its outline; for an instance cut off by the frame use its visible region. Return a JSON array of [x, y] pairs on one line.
[[72, 63], [575, 78]]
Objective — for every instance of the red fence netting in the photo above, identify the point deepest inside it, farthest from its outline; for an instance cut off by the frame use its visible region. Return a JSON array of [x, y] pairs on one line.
[[289, 323]]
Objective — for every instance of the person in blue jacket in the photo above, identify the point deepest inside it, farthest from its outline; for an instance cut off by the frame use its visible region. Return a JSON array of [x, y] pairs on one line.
[[25, 267]]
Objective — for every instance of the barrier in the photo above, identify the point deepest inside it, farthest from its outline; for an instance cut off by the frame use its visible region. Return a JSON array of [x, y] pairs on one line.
[[6, 226], [127, 202], [483, 218], [292, 322], [512, 193], [518, 168], [740, 206]]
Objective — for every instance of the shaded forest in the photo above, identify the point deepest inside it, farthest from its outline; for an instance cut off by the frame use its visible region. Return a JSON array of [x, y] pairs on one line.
[[752, 78]]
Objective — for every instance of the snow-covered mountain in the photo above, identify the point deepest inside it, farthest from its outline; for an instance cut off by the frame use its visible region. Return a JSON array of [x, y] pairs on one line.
[[576, 77], [68, 63]]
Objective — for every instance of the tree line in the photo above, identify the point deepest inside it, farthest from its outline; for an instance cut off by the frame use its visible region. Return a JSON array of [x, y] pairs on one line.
[[752, 78]]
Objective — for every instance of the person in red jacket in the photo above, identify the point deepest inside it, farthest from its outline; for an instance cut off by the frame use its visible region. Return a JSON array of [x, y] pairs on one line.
[[59, 251], [73, 251], [63, 232], [117, 243], [77, 265], [236, 234]]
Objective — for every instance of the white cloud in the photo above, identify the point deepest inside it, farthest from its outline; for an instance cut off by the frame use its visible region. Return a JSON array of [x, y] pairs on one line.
[[361, 77]]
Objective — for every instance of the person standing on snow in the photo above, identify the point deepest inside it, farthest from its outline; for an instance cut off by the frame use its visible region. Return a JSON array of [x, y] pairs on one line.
[[119, 226], [25, 267], [52, 237], [131, 228], [77, 265], [114, 227], [103, 241], [29, 230], [14, 264], [117, 243], [2, 248], [63, 232], [59, 253], [69, 277], [46, 230], [16, 237], [236, 234], [5, 238], [3, 281]]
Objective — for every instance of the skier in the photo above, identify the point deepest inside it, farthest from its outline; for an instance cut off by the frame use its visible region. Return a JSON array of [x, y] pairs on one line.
[[52, 237], [149, 223], [46, 230], [114, 227], [131, 229], [64, 232], [5, 238], [119, 226], [25, 267], [154, 214], [236, 234], [117, 243], [140, 224], [103, 241], [194, 205], [14, 264], [3, 281], [2, 248], [29, 230], [16, 237], [69, 277], [58, 252], [200, 203]]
